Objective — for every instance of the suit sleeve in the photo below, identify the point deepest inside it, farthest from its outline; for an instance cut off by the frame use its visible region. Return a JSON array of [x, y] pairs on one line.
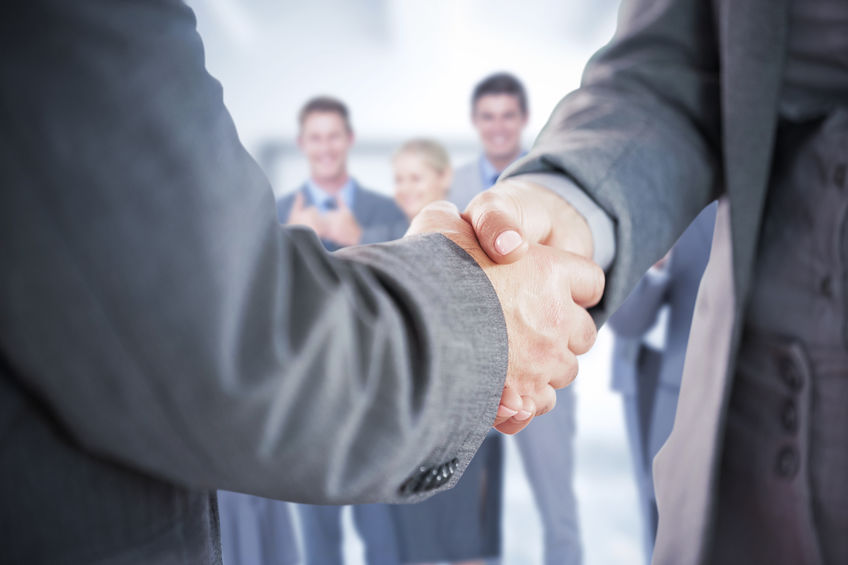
[[641, 134], [157, 308]]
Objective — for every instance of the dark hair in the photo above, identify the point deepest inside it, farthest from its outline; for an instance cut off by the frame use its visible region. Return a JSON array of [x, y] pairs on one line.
[[500, 83], [324, 104]]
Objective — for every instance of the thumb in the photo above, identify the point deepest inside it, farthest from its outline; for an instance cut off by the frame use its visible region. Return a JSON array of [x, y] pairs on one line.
[[341, 204], [497, 224]]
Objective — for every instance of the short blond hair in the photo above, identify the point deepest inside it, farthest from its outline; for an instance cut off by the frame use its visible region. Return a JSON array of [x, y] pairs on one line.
[[433, 153]]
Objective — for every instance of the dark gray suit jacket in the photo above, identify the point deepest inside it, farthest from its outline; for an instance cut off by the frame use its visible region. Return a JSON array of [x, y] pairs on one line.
[[161, 335], [680, 108], [377, 215]]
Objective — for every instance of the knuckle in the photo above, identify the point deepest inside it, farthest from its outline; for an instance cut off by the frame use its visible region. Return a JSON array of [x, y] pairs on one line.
[[439, 207], [548, 402]]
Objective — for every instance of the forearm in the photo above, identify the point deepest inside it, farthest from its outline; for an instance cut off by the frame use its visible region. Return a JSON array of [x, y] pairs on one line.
[[167, 320], [640, 135]]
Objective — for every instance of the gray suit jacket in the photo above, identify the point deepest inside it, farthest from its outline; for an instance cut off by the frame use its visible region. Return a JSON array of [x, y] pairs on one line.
[[161, 335], [680, 108], [466, 184], [377, 215]]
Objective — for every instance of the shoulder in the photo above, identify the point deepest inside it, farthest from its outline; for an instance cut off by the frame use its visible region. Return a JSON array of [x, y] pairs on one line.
[[285, 203]]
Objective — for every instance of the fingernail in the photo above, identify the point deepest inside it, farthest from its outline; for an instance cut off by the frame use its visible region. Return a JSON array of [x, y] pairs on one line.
[[522, 415], [504, 412], [508, 242]]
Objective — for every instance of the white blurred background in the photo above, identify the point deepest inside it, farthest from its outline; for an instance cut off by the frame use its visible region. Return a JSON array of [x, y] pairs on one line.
[[406, 68]]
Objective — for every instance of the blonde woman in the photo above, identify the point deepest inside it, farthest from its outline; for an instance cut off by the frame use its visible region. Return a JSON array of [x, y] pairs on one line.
[[460, 526], [423, 175]]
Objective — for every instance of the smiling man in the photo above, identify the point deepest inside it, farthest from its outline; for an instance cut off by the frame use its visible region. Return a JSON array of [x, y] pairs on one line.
[[331, 202], [499, 114]]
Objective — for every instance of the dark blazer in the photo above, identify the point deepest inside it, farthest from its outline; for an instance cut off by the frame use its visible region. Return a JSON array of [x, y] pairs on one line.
[[680, 108], [378, 215], [162, 336]]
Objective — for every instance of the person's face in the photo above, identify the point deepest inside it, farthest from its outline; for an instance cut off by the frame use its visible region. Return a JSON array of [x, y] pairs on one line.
[[499, 121], [417, 183], [325, 141]]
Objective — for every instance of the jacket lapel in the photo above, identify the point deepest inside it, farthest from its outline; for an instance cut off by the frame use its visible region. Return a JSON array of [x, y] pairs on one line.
[[752, 41], [753, 44]]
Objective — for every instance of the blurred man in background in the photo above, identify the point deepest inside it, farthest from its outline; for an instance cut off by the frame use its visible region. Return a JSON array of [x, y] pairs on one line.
[[331, 202], [499, 114]]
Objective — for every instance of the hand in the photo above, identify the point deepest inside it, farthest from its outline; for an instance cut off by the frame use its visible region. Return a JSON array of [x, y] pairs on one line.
[[340, 225], [303, 215], [544, 299], [513, 214]]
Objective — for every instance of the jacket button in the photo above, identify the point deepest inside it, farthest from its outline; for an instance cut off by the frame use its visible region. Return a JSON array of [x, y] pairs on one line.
[[444, 472], [787, 463], [429, 480], [413, 483], [791, 375], [789, 416]]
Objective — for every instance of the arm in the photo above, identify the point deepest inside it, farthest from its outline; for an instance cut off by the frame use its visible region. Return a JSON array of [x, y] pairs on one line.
[[167, 320], [159, 311], [640, 136]]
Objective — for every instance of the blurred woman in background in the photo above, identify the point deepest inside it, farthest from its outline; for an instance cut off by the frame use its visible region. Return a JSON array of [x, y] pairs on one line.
[[423, 175]]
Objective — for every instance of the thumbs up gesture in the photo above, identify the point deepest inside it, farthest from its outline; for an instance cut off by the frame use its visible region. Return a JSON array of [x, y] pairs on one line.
[[304, 215], [340, 225]]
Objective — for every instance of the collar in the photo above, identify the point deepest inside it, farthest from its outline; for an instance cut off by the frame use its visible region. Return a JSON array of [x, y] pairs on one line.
[[488, 173]]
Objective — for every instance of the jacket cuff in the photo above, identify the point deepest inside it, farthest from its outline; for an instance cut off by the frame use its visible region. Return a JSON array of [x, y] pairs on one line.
[[455, 313]]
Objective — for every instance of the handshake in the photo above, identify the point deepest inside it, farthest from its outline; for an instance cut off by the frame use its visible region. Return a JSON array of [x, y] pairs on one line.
[[536, 250]]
